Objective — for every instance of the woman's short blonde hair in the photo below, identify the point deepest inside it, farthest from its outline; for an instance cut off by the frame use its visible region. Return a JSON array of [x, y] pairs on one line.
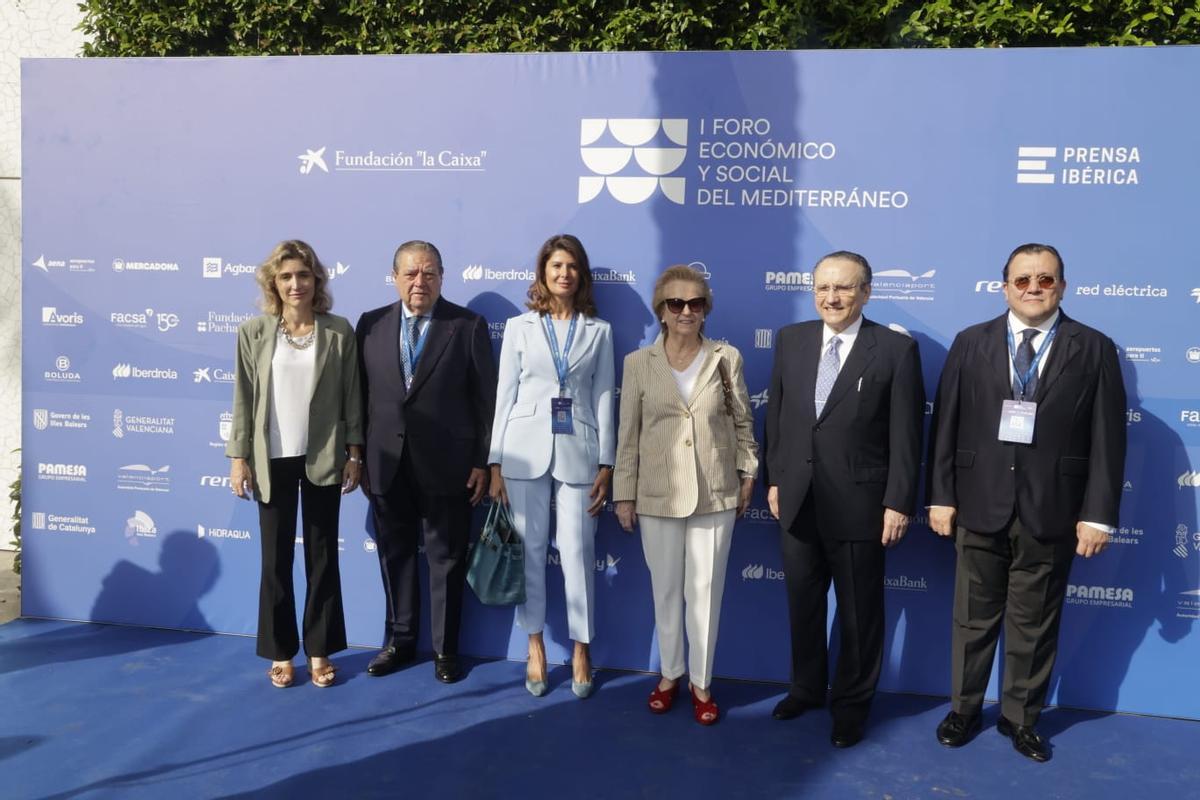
[[302, 252], [680, 272]]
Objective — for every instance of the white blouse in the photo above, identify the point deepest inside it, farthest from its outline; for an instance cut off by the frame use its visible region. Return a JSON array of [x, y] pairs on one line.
[[292, 374], [686, 380]]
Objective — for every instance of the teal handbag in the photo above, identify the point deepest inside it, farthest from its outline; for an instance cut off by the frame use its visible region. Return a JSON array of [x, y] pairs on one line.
[[496, 571]]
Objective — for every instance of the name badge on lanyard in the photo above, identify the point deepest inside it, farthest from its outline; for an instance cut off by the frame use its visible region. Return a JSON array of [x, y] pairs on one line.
[[1017, 418], [561, 418]]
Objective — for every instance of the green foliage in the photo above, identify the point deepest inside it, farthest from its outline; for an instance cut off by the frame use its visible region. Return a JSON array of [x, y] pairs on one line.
[[14, 497], [290, 27]]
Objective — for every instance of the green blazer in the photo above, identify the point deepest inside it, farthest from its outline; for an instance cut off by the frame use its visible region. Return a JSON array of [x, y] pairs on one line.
[[334, 412]]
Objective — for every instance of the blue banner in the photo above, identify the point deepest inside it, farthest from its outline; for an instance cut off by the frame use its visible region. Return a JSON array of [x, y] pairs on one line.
[[153, 188]]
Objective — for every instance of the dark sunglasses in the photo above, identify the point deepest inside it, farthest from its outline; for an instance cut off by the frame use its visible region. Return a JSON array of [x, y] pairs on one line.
[[675, 304], [1043, 282]]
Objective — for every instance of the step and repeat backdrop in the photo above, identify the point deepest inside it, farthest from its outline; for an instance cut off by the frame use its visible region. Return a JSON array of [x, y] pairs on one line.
[[153, 188]]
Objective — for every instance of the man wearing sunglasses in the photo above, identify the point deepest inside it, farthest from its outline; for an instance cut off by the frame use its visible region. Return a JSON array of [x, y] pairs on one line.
[[843, 453], [1026, 457]]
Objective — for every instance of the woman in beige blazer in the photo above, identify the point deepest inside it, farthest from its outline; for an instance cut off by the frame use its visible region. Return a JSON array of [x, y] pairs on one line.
[[297, 437], [686, 459]]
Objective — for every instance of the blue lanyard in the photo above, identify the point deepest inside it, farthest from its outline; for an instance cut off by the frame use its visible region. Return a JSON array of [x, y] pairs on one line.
[[413, 354], [560, 359], [1041, 351]]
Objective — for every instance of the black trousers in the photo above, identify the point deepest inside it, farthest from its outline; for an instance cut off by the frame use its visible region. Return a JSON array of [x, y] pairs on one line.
[[324, 620], [402, 514], [811, 559], [1012, 577]]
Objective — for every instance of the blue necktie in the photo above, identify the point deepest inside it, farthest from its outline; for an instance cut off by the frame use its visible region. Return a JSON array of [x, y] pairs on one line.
[[414, 334], [1021, 363], [827, 373]]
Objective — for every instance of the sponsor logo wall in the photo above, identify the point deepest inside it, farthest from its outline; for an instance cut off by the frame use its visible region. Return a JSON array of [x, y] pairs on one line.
[[749, 173]]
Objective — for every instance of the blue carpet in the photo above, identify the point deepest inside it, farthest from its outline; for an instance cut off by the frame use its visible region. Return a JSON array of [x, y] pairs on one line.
[[94, 711]]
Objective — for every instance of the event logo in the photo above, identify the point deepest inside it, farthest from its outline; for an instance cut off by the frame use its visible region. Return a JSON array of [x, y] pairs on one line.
[[62, 372], [789, 281], [61, 523], [1089, 166], [224, 429], [222, 322], [312, 158], [203, 532], [759, 514], [478, 272], [121, 265], [140, 423], [216, 267], [1196, 294], [1143, 355], [1132, 416], [634, 136], [906, 584], [609, 562], [1109, 596], [211, 375], [608, 275], [41, 419], [72, 473], [700, 267], [900, 284], [1182, 539], [338, 270], [1190, 417], [757, 572], [1121, 290], [1189, 479], [1193, 355], [216, 481], [991, 287], [147, 318], [759, 399], [140, 526], [764, 338], [51, 317], [1188, 605], [125, 370], [496, 330], [144, 478], [69, 264]]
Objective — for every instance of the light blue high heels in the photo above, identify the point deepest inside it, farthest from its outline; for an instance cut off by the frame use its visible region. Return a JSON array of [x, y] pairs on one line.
[[536, 688], [582, 690]]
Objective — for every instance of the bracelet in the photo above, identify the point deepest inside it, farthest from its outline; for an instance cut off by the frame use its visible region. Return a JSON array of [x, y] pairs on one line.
[[354, 460]]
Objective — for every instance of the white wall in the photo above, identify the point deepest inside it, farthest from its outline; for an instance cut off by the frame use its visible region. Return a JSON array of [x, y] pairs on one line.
[[28, 28]]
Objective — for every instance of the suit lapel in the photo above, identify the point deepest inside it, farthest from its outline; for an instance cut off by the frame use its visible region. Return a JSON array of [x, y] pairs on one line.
[[585, 332], [711, 353], [324, 338], [441, 331], [861, 355], [1062, 350], [386, 341], [993, 352], [264, 345], [662, 369]]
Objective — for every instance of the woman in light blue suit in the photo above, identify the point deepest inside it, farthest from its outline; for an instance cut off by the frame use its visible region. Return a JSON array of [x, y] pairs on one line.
[[553, 432]]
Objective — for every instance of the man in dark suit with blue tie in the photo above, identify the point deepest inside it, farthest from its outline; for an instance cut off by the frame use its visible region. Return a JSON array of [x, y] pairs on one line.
[[429, 390], [843, 453], [1026, 461]]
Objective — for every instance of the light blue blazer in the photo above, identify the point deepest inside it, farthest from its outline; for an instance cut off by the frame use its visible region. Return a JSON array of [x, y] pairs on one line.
[[522, 443]]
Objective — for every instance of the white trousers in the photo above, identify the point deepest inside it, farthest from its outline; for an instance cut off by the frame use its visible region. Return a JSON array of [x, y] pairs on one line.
[[575, 534], [687, 559]]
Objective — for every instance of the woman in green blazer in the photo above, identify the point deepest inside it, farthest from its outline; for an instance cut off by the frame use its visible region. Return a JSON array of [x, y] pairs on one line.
[[297, 437]]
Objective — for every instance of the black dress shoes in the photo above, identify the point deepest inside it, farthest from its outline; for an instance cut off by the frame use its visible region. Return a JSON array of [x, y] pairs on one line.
[[390, 659], [846, 733], [1025, 739], [445, 668], [958, 729], [791, 707]]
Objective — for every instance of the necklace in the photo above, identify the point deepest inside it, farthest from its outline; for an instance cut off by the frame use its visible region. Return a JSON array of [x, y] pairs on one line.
[[298, 342], [682, 360]]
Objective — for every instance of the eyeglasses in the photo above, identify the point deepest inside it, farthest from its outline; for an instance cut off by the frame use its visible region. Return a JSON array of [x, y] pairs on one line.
[[675, 304], [838, 289], [1043, 282]]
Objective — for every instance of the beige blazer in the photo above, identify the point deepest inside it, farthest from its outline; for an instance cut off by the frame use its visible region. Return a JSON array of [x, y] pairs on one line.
[[334, 411], [677, 458]]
